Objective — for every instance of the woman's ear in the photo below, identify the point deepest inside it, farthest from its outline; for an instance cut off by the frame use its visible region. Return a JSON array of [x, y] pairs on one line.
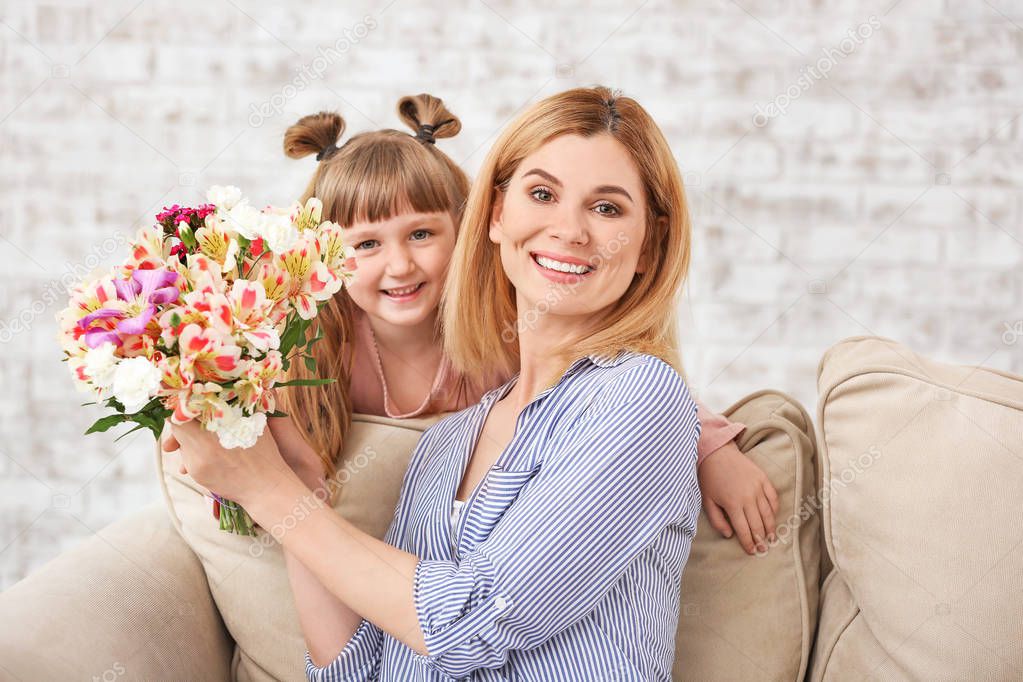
[[495, 216]]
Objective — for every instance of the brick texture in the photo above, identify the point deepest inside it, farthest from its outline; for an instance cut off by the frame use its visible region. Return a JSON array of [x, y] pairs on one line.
[[852, 168]]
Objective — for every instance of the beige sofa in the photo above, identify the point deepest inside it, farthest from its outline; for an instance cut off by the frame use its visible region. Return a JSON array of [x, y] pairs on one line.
[[899, 553]]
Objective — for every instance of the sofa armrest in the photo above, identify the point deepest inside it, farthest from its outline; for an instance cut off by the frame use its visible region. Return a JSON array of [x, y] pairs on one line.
[[130, 603]]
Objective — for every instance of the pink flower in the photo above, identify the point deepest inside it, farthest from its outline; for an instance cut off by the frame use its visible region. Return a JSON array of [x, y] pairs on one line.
[[134, 306]]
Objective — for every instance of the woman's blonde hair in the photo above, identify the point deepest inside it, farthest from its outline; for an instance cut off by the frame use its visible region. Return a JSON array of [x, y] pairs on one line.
[[478, 302], [373, 176]]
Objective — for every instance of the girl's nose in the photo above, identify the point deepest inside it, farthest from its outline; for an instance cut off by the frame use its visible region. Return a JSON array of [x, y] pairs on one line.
[[400, 263]]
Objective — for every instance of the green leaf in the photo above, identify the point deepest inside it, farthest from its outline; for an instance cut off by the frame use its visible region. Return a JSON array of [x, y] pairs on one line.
[[277, 413], [106, 423], [310, 363]]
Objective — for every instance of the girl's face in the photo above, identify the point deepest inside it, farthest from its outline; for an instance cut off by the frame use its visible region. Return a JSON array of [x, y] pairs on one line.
[[402, 263], [570, 226]]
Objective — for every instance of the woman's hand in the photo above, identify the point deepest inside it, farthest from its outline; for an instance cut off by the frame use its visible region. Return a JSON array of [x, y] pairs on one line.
[[236, 474], [732, 484]]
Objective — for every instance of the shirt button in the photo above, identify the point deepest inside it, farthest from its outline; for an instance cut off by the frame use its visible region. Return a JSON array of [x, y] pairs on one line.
[[500, 603]]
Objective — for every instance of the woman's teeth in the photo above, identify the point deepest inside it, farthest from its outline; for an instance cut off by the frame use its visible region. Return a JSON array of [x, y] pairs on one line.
[[404, 291], [551, 264]]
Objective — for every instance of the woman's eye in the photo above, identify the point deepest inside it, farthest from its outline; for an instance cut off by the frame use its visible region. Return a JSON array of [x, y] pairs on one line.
[[420, 235], [368, 244], [542, 194], [607, 208]]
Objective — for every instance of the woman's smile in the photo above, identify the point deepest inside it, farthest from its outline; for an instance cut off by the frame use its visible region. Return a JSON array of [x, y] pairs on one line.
[[561, 269]]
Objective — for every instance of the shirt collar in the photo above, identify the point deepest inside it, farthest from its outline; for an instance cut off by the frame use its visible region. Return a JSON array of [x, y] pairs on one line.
[[598, 359]]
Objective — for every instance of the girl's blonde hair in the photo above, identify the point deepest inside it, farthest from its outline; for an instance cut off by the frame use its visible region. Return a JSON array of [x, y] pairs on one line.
[[478, 303], [373, 176]]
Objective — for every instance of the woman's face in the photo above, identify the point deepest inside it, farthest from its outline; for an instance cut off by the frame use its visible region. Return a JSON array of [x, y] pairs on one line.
[[402, 263], [570, 227]]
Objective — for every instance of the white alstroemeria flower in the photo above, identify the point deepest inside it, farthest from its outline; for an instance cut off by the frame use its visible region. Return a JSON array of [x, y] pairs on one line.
[[136, 381], [235, 430], [224, 196]]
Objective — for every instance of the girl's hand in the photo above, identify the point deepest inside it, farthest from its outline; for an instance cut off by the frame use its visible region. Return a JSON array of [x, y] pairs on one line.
[[236, 474], [732, 484]]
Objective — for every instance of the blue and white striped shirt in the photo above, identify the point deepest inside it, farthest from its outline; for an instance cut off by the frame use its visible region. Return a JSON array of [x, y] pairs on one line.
[[566, 562]]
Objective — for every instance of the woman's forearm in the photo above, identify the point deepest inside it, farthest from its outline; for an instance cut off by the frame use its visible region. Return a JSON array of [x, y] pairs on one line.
[[362, 574], [327, 623]]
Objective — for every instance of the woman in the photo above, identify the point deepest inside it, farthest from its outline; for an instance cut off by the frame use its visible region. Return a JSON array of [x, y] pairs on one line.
[[577, 477]]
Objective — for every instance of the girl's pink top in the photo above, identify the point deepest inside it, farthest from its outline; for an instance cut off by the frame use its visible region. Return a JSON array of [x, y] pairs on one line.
[[452, 391]]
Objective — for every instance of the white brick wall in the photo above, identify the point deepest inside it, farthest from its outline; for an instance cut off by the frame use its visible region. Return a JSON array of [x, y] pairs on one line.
[[886, 199]]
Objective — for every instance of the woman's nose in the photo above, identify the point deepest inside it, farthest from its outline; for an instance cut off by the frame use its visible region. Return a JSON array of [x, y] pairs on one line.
[[571, 228]]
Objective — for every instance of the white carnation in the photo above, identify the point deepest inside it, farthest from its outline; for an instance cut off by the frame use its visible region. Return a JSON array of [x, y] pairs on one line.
[[245, 220], [224, 196], [278, 232], [100, 363], [235, 430], [136, 381]]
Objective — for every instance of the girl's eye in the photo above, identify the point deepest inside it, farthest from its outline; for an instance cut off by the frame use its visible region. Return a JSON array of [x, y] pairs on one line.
[[542, 194], [368, 244], [612, 210], [420, 235]]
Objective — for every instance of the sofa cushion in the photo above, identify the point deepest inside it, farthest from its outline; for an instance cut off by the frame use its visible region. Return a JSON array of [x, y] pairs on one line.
[[922, 467], [752, 617], [129, 603], [247, 575]]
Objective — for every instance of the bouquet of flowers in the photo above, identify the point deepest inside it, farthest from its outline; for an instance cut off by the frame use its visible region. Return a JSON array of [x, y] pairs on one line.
[[204, 318]]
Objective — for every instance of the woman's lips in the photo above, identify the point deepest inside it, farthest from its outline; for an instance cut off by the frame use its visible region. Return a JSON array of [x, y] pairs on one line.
[[558, 276]]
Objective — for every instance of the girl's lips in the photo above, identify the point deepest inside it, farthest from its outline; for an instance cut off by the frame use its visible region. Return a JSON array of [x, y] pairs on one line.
[[403, 298], [557, 276]]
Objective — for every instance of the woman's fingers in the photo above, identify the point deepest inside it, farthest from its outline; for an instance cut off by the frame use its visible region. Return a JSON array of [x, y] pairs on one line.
[[170, 443], [183, 470], [717, 519]]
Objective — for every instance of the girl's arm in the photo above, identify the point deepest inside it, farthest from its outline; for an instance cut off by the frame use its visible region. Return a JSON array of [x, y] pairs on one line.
[[737, 495]]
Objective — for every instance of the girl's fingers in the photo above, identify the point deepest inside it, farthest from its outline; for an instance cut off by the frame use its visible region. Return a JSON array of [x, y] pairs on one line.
[[772, 496], [742, 529], [767, 514], [717, 519], [756, 526]]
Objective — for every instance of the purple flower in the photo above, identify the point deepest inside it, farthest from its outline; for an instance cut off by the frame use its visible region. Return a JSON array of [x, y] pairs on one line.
[[141, 294]]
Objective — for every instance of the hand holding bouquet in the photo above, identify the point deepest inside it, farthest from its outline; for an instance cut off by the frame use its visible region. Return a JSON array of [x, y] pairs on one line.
[[204, 318]]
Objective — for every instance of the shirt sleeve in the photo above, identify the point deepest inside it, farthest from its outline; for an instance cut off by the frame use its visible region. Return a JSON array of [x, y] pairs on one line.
[[360, 660], [608, 487], [716, 431]]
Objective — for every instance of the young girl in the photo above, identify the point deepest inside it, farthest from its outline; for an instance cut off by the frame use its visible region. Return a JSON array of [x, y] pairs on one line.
[[400, 199]]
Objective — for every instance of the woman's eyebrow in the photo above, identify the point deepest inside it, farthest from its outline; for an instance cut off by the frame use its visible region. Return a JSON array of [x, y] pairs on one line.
[[545, 175], [603, 189]]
